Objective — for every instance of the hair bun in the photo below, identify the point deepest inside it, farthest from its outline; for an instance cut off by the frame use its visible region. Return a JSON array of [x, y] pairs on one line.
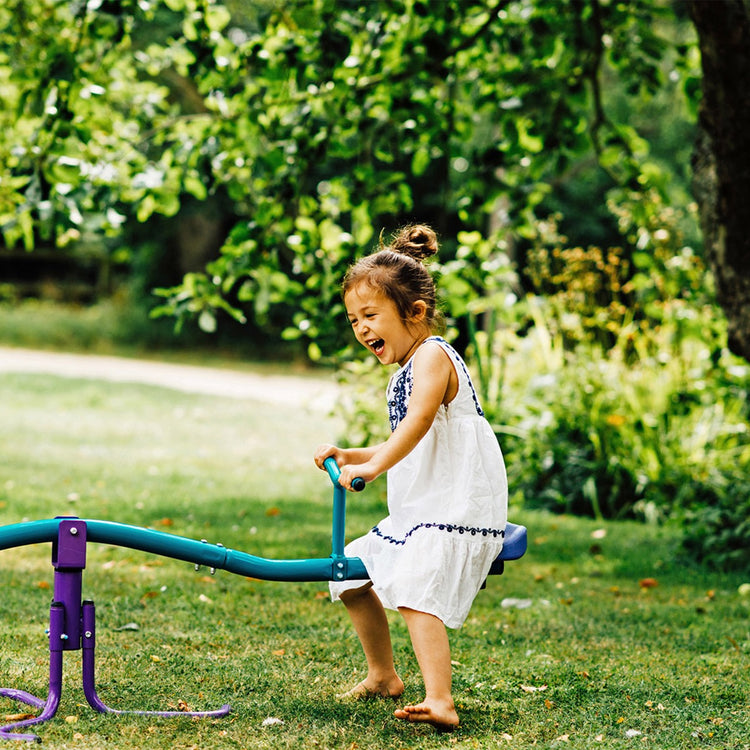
[[418, 241]]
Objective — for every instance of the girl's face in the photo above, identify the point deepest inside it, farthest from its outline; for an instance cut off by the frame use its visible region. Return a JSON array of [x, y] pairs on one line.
[[378, 326]]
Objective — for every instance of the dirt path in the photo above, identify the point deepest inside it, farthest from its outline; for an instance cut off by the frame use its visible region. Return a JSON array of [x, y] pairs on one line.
[[316, 393]]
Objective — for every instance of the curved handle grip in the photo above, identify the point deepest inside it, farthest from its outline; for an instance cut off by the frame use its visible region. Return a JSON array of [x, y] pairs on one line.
[[358, 484]]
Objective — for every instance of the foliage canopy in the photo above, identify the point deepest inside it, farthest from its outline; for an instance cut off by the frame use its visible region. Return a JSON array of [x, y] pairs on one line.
[[314, 123]]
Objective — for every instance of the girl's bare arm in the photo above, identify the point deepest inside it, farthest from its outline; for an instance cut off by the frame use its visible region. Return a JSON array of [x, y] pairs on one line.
[[432, 377], [344, 456]]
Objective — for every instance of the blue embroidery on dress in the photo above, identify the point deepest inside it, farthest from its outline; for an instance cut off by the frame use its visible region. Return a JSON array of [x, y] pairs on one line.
[[472, 530], [471, 385], [400, 392]]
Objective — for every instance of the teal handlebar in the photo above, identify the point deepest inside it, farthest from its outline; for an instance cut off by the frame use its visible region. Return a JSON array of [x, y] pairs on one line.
[[358, 484]]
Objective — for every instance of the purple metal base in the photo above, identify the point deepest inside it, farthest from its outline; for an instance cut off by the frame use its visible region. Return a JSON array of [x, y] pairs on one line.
[[72, 627]]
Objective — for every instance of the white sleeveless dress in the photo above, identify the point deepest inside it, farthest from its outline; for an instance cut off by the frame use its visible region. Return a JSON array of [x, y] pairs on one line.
[[447, 503]]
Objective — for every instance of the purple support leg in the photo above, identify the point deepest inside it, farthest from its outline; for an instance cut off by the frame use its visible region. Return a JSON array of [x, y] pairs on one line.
[[69, 560], [89, 682], [72, 627], [56, 642]]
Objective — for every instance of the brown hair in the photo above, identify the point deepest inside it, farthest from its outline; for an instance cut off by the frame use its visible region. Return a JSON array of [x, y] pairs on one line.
[[397, 271]]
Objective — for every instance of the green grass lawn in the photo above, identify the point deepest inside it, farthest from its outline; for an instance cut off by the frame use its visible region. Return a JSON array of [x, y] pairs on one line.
[[593, 657]]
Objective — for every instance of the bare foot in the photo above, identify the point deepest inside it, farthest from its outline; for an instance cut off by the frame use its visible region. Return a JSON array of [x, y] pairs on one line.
[[393, 688], [442, 716]]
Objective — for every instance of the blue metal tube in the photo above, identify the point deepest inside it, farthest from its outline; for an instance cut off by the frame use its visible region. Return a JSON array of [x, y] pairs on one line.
[[190, 550], [339, 521], [31, 532], [339, 506]]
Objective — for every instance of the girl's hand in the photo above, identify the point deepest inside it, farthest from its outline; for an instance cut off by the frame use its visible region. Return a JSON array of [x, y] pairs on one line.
[[327, 451], [350, 472]]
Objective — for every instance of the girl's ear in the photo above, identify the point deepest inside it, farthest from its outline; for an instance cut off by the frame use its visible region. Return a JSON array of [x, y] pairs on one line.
[[419, 310]]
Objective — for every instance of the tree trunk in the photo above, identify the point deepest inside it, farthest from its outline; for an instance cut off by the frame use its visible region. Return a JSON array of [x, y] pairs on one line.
[[721, 161]]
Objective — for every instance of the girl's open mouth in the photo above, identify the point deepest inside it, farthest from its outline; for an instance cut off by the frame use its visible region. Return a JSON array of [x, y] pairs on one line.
[[377, 347]]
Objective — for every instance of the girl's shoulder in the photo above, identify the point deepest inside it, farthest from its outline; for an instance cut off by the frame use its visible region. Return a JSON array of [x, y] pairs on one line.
[[466, 386], [405, 371], [445, 346], [434, 349], [431, 352]]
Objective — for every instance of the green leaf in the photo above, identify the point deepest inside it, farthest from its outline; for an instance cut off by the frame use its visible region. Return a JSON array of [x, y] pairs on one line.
[[528, 142], [195, 187], [314, 352], [217, 17], [146, 207], [420, 161]]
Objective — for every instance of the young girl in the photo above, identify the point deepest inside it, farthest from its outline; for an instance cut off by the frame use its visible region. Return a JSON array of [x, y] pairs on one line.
[[447, 489]]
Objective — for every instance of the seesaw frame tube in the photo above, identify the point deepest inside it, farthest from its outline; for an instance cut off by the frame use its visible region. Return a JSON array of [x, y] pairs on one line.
[[190, 550]]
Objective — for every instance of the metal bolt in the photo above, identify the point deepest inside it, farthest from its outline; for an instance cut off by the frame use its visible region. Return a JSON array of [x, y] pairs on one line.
[[340, 565], [197, 565], [63, 636], [74, 531], [88, 634], [213, 570]]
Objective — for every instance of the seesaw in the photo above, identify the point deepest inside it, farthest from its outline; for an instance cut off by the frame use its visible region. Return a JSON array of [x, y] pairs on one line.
[[72, 621]]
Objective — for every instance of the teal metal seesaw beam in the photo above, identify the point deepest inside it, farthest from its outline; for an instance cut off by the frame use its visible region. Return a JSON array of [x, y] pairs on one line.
[[189, 550]]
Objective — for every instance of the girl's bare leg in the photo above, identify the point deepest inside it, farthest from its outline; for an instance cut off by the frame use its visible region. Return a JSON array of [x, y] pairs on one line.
[[371, 625], [432, 649]]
